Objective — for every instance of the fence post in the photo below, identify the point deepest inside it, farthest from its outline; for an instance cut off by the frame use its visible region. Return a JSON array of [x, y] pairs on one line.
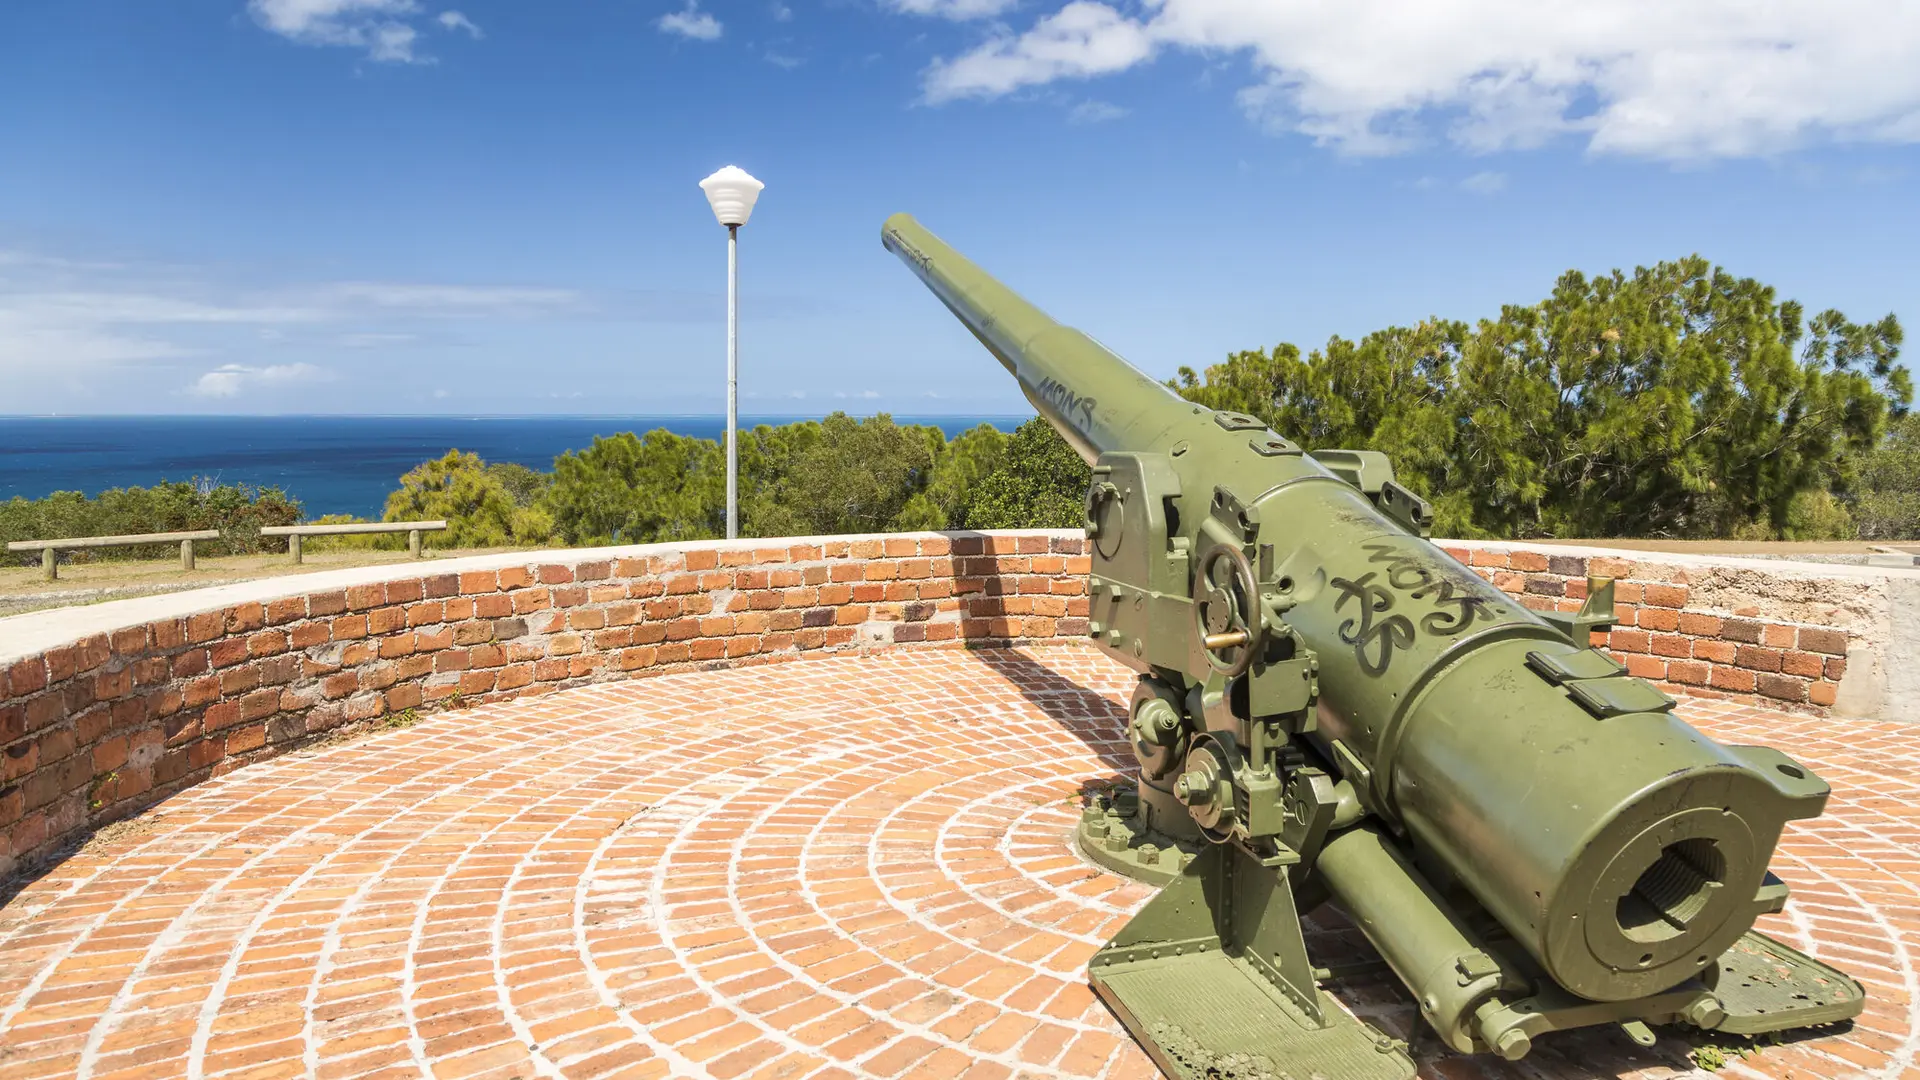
[[186, 554], [49, 563], [293, 546], [413, 542]]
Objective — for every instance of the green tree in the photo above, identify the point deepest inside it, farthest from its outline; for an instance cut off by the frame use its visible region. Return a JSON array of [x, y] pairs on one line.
[[237, 510], [1818, 514], [1387, 392], [628, 489], [958, 468], [477, 507], [856, 476], [1676, 401], [1889, 485], [767, 456], [964, 464], [1040, 483], [1680, 401], [527, 486]]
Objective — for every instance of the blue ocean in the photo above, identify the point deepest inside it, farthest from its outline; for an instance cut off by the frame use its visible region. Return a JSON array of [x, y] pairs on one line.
[[332, 464]]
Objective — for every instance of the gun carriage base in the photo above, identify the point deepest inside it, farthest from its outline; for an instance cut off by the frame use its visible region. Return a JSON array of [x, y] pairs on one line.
[[1180, 971], [1331, 708]]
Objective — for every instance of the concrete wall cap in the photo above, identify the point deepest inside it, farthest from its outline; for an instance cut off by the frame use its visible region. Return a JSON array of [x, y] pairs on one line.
[[1780, 567]]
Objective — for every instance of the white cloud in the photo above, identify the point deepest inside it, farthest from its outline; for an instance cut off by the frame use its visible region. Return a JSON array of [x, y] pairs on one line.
[[57, 324], [1652, 78], [324, 19], [375, 340], [68, 315], [230, 380], [439, 300], [138, 308], [453, 20], [691, 22], [1485, 183], [393, 42], [378, 26], [384, 28], [1094, 112], [951, 9], [1079, 41], [35, 261], [781, 12], [30, 343]]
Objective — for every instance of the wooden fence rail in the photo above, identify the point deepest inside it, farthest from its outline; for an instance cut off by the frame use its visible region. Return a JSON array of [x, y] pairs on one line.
[[413, 529], [48, 549]]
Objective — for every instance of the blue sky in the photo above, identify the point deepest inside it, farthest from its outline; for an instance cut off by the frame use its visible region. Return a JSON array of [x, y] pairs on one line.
[[395, 206]]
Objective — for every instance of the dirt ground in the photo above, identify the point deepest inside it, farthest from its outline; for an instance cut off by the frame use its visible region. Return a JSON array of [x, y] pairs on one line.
[[22, 589]]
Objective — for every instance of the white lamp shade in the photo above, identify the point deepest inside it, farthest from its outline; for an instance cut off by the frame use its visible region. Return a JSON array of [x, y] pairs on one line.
[[732, 193]]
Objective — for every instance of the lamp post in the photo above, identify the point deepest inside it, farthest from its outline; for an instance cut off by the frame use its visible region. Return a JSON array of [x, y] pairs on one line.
[[732, 193]]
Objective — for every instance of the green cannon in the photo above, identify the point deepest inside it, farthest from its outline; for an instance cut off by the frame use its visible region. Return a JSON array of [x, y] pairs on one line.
[[1331, 708]]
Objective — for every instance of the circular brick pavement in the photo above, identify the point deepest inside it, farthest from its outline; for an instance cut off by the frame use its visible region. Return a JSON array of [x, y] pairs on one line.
[[820, 869]]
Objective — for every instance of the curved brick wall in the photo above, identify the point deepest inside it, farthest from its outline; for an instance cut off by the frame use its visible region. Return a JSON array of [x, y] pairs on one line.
[[1806, 636], [106, 709]]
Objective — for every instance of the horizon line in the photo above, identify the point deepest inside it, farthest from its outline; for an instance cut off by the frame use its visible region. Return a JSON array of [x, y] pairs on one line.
[[492, 416]]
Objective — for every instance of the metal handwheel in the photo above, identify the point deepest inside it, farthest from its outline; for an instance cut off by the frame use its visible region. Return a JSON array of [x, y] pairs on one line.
[[1227, 614]]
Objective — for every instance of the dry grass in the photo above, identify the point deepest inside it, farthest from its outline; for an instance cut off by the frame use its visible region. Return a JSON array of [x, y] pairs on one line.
[[22, 589], [1743, 547]]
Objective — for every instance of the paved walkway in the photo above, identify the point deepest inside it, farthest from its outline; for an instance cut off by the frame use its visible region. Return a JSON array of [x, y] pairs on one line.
[[833, 868]]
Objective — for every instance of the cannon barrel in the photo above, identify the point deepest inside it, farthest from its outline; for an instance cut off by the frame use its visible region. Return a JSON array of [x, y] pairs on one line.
[[1047, 359], [1286, 608]]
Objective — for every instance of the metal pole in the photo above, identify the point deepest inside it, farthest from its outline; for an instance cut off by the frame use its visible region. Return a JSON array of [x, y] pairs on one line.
[[733, 379]]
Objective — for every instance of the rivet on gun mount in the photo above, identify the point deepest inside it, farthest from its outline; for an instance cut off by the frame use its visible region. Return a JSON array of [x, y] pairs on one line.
[[1330, 708]]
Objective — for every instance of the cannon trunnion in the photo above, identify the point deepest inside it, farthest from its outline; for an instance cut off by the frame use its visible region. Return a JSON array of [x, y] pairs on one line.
[[1332, 708]]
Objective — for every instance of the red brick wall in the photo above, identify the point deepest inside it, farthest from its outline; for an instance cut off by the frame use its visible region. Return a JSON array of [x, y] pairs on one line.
[[1739, 654], [95, 729]]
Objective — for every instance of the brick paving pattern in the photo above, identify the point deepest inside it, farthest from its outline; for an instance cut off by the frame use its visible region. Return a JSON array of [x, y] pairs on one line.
[[842, 867], [95, 729]]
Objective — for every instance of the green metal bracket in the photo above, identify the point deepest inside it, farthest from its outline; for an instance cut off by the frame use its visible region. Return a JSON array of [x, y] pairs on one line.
[[1212, 978], [1596, 613]]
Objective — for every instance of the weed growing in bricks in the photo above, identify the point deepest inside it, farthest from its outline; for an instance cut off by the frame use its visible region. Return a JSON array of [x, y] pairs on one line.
[[100, 783]]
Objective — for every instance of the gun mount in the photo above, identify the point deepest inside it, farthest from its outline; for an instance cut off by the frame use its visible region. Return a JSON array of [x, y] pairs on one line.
[[1332, 708]]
